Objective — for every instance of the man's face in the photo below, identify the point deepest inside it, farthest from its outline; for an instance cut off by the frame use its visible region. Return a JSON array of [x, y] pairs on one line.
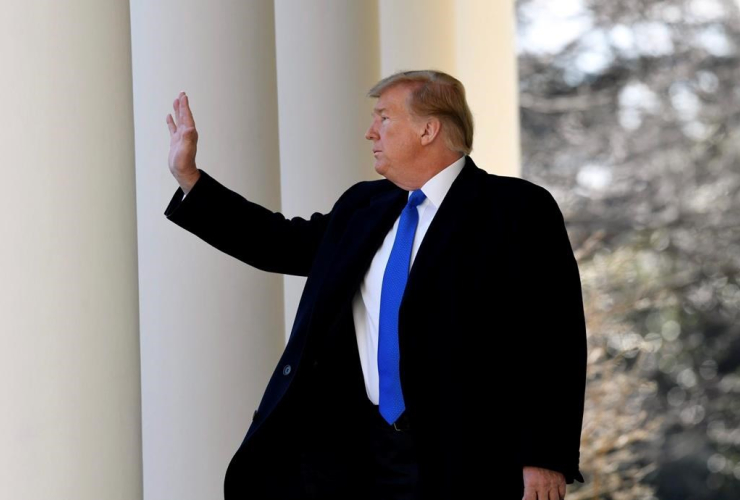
[[395, 133]]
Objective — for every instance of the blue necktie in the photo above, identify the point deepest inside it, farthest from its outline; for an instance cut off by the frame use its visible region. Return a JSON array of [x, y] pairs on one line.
[[394, 284]]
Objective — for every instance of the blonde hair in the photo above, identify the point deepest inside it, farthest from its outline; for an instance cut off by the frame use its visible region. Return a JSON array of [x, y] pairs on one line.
[[437, 94]]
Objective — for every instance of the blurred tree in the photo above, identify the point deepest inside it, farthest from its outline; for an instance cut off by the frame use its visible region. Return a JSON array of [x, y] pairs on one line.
[[629, 114]]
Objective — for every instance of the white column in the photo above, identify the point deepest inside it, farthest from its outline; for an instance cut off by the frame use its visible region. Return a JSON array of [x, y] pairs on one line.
[[472, 40], [69, 355], [417, 34], [486, 64], [211, 326], [327, 60]]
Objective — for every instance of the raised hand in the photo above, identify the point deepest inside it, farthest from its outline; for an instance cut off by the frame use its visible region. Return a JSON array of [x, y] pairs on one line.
[[183, 144]]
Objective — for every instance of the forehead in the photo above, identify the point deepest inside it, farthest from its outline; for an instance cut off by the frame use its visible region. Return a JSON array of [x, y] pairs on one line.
[[393, 99]]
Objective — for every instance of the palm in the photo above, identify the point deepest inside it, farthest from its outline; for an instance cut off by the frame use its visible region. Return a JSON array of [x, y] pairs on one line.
[[183, 138]]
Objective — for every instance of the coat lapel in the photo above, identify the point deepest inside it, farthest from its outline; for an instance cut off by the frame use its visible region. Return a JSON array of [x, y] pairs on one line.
[[365, 232], [455, 208], [369, 225]]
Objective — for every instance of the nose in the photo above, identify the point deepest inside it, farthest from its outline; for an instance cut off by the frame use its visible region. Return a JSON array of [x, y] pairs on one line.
[[371, 134]]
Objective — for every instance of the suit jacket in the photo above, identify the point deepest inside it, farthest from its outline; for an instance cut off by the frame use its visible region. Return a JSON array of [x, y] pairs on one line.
[[491, 333]]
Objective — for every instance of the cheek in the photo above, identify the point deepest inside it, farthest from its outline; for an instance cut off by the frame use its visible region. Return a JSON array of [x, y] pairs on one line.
[[389, 142], [391, 138], [406, 142]]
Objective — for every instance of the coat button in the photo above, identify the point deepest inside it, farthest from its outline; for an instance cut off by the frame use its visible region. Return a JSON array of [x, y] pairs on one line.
[[286, 370]]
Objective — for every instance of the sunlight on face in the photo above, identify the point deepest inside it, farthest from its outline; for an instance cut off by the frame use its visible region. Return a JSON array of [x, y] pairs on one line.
[[394, 132]]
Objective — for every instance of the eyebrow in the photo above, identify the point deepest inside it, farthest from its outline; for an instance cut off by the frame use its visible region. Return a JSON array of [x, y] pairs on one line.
[[377, 111]]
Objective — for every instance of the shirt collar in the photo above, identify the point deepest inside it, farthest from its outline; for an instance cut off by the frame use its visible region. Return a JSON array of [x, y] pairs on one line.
[[436, 188]]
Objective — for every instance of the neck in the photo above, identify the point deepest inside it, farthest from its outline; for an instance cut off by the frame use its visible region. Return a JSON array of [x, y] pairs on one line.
[[428, 168]]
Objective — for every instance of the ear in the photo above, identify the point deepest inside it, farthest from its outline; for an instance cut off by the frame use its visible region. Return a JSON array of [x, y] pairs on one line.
[[432, 128]]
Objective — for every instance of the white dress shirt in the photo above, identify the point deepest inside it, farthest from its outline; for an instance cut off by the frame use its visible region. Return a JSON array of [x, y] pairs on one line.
[[366, 302]]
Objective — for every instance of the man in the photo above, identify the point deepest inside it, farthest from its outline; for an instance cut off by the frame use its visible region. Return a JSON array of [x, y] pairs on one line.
[[439, 348]]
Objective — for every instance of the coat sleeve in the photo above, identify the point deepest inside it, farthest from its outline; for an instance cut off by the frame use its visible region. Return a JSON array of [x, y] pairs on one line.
[[556, 351], [246, 230]]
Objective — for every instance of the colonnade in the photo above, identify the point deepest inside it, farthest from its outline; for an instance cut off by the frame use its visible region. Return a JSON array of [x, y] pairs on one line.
[[133, 354]]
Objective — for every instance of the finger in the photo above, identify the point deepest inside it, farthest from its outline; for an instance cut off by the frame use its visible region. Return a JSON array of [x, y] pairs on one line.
[[181, 109], [562, 490], [186, 116], [171, 125], [529, 494], [176, 115]]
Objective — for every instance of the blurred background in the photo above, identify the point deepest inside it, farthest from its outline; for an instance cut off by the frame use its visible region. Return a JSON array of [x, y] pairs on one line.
[[629, 116]]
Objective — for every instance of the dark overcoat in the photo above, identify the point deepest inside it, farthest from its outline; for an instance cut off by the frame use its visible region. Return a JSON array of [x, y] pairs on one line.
[[491, 334]]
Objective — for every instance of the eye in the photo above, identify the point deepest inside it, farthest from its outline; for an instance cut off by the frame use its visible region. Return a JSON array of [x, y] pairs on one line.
[[384, 118]]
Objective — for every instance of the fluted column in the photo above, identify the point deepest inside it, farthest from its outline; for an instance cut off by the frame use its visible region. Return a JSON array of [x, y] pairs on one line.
[[69, 346], [211, 326], [474, 41], [327, 59]]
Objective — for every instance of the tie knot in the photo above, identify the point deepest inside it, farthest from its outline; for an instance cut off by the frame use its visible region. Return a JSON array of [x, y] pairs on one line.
[[416, 198]]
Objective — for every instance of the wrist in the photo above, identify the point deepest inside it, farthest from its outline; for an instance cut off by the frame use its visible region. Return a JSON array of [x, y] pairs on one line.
[[187, 181]]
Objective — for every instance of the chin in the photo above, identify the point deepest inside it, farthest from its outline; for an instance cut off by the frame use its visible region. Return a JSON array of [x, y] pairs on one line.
[[381, 168]]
